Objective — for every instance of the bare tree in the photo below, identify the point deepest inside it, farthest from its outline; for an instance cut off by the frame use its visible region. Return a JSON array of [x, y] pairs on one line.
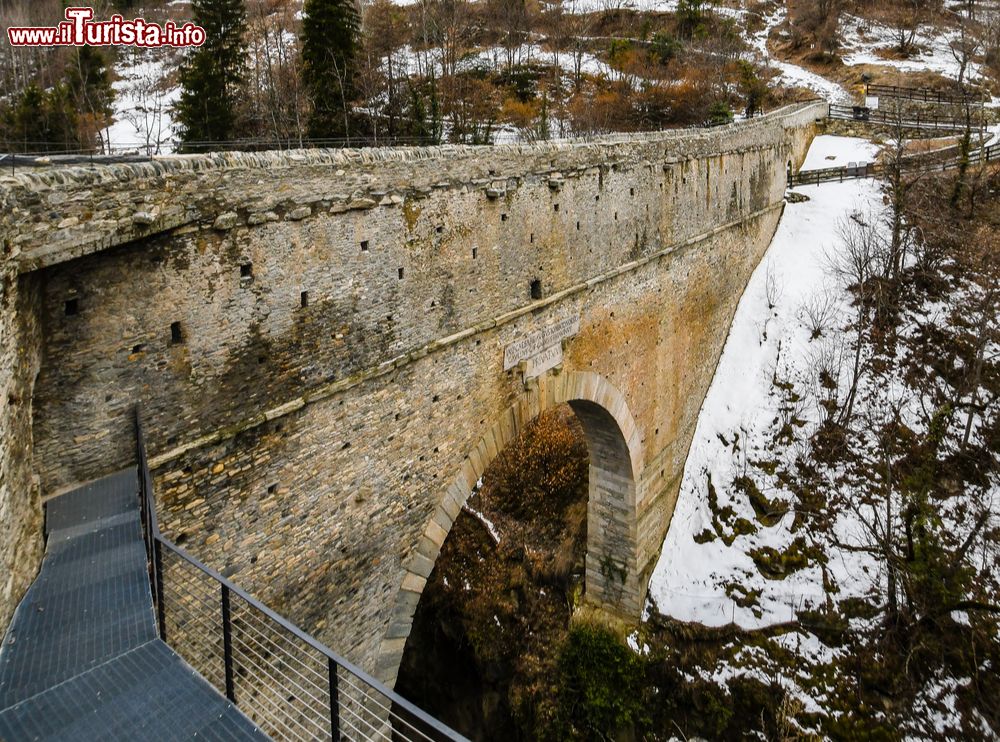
[[277, 103], [512, 18], [964, 45], [898, 186], [855, 266], [817, 313]]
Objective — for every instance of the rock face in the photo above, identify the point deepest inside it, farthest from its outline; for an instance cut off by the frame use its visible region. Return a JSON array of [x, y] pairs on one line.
[[316, 339]]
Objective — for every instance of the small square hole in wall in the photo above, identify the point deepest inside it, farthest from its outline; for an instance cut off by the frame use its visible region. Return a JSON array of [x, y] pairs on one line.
[[555, 207], [71, 307], [400, 273], [246, 270], [304, 299], [176, 333], [536, 289], [272, 488], [364, 245], [503, 217], [439, 228]]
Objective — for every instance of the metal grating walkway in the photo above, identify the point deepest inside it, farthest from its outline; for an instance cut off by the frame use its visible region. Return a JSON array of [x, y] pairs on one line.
[[81, 659]]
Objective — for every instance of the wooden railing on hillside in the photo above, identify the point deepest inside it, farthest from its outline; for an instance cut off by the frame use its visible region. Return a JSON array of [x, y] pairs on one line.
[[921, 94], [855, 170], [945, 122]]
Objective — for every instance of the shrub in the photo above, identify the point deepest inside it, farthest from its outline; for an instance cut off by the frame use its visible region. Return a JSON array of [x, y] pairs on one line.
[[719, 113], [665, 47], [600, 683]]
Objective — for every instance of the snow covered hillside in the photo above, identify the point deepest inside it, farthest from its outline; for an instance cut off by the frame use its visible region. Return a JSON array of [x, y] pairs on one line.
[[144, 93], [706, 581], [793, 505]]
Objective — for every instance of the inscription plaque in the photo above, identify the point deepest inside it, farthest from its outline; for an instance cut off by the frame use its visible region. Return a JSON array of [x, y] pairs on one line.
[[542, 362], [533, 343]]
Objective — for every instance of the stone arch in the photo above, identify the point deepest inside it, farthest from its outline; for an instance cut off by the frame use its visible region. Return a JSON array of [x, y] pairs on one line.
[[615, 446]]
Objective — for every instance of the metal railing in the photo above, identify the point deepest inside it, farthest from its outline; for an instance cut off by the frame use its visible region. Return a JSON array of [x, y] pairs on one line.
[[288, 683], [921, 94], [854, 171], [936, 122]]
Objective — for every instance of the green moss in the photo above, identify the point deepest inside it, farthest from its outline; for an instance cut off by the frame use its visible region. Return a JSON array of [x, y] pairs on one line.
[[741, 596], [768, 512], [768, 467], [600, 682], [704, 537], [742, 527], [775, 564], [411, 212], [724, 521]]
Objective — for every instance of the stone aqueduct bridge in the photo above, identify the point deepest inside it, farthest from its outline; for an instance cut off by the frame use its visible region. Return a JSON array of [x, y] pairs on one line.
[[317, 340]]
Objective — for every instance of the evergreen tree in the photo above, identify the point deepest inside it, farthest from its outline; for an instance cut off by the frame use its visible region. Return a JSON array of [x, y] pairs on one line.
[[41, 121], [212, 75], [329, 48]]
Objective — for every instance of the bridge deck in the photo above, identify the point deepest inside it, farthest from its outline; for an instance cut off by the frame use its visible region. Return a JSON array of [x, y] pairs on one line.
[[81, 659]]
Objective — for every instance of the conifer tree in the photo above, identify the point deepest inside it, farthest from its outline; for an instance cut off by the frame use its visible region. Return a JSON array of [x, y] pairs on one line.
[[212, 75], [41, 121], [329, 47]]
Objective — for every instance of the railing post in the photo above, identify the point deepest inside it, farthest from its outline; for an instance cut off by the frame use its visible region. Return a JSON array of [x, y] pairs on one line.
[[158, 576], [227, 644], [334, 700]]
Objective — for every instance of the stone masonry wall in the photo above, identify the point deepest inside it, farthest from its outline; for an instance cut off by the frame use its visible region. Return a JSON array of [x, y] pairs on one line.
[[20, 509], [340, 319]]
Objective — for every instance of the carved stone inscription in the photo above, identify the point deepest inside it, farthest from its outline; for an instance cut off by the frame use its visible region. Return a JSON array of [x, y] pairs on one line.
[[531, 345], [542, 362]]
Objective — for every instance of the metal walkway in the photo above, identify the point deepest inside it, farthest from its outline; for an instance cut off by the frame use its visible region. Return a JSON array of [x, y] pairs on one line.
[[82, 659]]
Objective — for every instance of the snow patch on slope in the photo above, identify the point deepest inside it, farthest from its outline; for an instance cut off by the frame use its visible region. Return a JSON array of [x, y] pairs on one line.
[[768, 341], [143, 101], [792, 75], [863, 38]]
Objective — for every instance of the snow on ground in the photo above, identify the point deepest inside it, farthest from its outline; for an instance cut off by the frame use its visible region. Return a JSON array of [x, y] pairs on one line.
[[645, 6], [792, 75], [487, 523], [495, 57], [829, 151], [143, 98], [690, 580], [862, 38], [407, 60]]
